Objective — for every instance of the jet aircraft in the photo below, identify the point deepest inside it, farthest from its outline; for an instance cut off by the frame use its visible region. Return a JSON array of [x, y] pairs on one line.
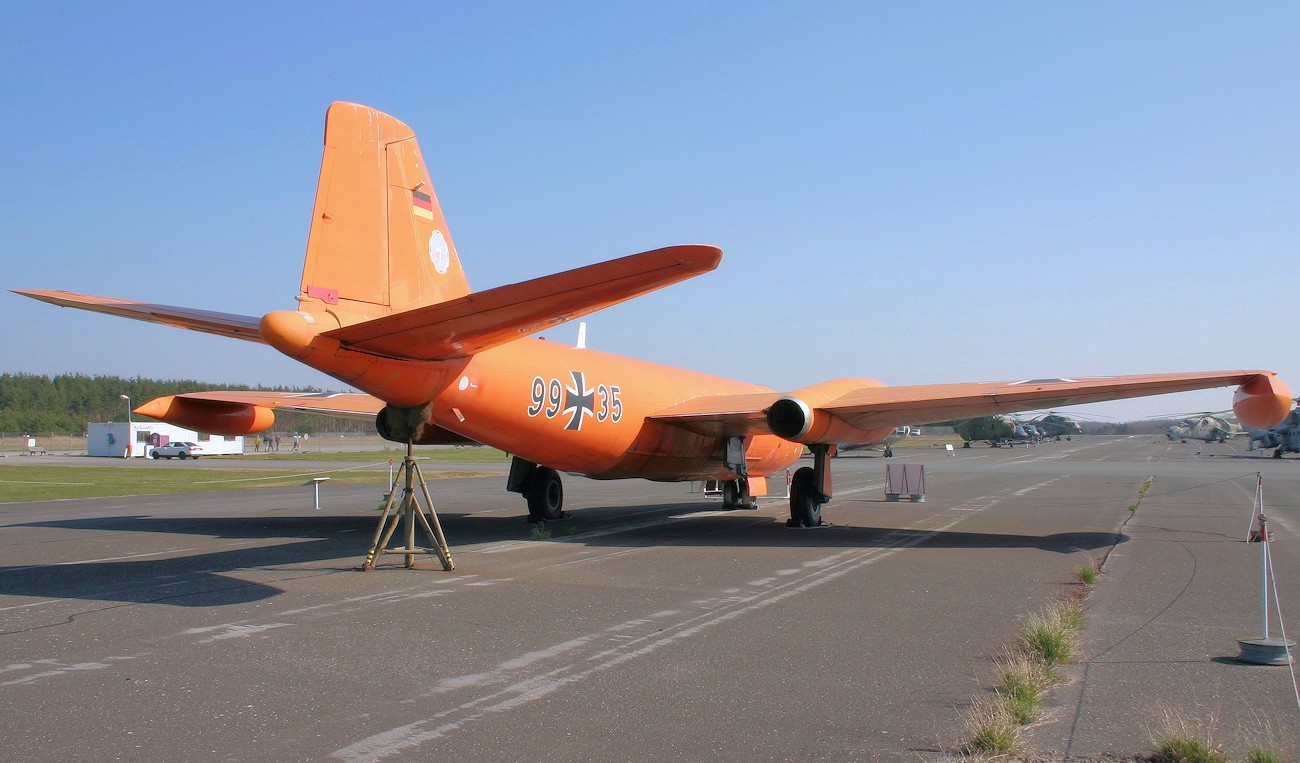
[[385, 306]]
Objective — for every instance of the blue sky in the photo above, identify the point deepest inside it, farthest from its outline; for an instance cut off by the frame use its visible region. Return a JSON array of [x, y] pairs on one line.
[[912, 192]]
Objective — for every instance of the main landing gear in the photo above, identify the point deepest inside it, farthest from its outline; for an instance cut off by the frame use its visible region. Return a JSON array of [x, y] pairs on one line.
[[540, 486], [809, 489], [735, 495]]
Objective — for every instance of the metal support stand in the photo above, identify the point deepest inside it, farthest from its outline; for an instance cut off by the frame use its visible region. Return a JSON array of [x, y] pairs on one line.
[[1264, 650], [410, 510]]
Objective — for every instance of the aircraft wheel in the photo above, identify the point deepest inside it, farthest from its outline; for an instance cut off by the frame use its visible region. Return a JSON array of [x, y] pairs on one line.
[[805, 509], [889, 452], [731, 495], [1277, 453], [545, 495], [966, 444]]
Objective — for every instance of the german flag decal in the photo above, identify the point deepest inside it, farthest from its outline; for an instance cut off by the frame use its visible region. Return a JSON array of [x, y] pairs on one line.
[[422, 205]]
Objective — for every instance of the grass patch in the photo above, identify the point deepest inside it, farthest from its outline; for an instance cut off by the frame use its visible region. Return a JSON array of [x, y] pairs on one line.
[[541, 532], [991, 730], [431, 454], [1179, 739], [1142, 492], [1087, 574], [1052, 636], [928, 441], [1022, 680], [42, 483], [1184, 750]]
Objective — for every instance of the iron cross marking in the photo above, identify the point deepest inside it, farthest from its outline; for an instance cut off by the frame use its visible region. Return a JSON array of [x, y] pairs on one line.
[[579, 401]]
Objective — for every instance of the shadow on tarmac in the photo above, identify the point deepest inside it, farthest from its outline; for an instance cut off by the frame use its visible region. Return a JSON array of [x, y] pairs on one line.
[[199, 580]]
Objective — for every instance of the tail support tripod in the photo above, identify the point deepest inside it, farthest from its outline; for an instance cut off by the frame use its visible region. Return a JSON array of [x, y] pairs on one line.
[[408, 511]]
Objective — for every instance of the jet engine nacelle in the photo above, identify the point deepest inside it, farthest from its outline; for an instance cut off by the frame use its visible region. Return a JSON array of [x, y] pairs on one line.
[[795, 416], [209, 416], [1263, 402]]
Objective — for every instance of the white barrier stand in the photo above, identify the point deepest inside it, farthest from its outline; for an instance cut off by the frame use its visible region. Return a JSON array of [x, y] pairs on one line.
[[315, 482], [906, 479], [1266, 649]]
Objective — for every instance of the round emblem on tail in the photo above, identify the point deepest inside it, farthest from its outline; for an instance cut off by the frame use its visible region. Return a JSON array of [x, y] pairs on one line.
[[438, 253]]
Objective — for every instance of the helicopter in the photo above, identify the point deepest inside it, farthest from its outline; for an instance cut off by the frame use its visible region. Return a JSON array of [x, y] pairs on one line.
[[1210, 427], [1285, 436], [1056, 425], [997, 430]]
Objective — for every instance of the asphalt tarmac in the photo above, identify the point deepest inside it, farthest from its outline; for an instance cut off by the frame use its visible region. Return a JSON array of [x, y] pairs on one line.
[[650, 624]]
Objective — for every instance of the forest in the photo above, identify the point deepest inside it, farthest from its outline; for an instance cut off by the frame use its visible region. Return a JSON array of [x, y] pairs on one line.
[[66, 403]]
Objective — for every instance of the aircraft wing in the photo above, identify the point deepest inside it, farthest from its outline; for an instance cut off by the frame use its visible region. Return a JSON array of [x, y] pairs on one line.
[[223, 324], [461, 327], [871, 408], [722, 415]]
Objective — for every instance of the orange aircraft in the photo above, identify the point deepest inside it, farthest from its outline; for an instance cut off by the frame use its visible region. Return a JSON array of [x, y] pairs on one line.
[[385, 307]]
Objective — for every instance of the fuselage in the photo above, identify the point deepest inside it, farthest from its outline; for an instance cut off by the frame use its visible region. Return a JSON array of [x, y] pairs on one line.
[[576, 410]]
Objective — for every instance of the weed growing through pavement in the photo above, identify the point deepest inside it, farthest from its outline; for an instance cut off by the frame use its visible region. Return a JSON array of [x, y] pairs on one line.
[[1022, 679], [1053, 635], [992, 729], [1179, 739], [541, 532]]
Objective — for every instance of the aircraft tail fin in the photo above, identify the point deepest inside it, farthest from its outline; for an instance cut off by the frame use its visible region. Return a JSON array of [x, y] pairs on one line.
[[378, 242]]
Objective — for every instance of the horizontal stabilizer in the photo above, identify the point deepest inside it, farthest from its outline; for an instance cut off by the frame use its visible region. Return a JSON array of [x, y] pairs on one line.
[[210, 322], [240, 412], [482, 320], [352, 405]]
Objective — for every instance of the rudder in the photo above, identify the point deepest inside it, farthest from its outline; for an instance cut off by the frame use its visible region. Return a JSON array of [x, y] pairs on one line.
[[378, 242]]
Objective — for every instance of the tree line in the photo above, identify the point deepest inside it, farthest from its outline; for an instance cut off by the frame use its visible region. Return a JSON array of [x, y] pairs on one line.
[[66, 403]]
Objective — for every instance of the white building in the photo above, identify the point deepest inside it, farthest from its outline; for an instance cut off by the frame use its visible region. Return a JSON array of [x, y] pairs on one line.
[[111, 439]]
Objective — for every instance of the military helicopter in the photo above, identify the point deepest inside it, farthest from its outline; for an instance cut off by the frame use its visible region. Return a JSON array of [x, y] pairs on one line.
[[1210, 427], [1285, 436], [1057, 426], [997, 430]]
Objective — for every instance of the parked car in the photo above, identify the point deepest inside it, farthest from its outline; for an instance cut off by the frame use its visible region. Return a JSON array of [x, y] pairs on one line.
[[181, 450]]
